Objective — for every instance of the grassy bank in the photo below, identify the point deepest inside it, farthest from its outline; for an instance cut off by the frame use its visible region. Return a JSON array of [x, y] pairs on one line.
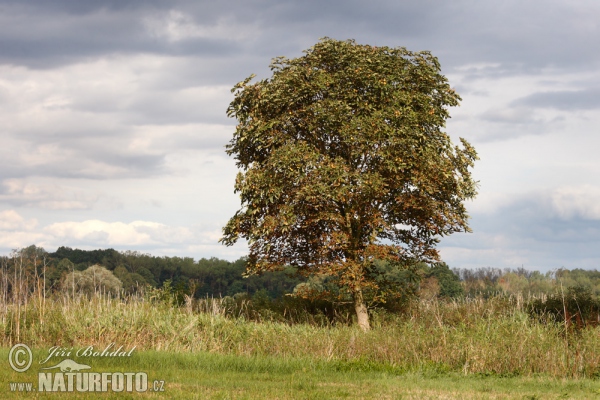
[[473, 337]]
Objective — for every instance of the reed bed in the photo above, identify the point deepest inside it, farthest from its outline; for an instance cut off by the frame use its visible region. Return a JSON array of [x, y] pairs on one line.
[[472, 336]]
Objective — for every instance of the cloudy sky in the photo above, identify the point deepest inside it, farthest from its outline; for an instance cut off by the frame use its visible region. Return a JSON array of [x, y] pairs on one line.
[[113, 120]]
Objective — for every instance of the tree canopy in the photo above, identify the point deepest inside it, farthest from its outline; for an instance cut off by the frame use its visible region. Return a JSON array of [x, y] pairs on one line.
[[344, 162]]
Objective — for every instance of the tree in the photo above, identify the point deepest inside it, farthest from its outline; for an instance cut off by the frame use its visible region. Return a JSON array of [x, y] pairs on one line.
[[95, 279], [449, 282], [343, 162]]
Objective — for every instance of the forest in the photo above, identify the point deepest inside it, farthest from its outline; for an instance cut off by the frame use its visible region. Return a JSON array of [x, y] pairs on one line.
[[216, 278]]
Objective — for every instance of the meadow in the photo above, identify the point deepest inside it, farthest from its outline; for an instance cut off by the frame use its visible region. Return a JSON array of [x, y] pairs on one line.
[[210, 348]]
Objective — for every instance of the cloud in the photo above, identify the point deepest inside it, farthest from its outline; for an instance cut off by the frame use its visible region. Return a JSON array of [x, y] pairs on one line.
[[503, 257], [177, 26], [18, 192], [554, 102], [540, 229], [106, 119], [185, 106], [44, 35], [51, 33], [10, 220], [585, 99], [561, 203], [101, 233], [16, 231], [510, 115], [579, 202]]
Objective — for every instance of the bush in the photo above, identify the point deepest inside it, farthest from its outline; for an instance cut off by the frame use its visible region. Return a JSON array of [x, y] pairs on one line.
[[95, 279], [576, 307], [448, 281]]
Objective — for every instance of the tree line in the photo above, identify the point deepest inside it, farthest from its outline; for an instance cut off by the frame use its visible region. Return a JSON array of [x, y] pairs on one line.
[[129, 272]]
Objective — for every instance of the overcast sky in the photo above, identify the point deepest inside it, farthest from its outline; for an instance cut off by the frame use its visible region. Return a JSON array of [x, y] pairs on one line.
[[113, 117]]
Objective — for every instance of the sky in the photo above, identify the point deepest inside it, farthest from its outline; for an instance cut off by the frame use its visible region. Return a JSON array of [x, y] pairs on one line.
[[113, 117]]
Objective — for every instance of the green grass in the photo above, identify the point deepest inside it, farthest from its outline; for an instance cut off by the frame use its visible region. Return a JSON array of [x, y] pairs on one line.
[[471, 337], [473, 349], [220, 376]]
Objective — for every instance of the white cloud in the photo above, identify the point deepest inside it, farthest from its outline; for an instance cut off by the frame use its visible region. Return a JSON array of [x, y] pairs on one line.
[[576, 202], [488, 202], [10, 220], [564, 202], [515, 104], [136, 233], [521, 115], [195, 241], [16, 231]]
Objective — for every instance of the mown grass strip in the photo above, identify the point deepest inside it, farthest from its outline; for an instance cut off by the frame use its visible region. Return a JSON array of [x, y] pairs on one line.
[[217, 376]]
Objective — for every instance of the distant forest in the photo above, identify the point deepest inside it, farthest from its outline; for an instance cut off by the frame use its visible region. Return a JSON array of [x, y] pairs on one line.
[[211, 277], [214, 277]]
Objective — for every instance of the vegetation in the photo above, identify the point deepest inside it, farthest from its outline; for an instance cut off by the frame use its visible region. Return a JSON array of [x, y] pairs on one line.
[[530, 335], [444, 335], [218, 376], [503, 337], [95, 279], [32, 268], [344, 163], [136, 271]]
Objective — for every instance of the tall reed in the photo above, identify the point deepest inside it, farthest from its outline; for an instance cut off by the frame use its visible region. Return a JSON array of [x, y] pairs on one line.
[[473, 336]]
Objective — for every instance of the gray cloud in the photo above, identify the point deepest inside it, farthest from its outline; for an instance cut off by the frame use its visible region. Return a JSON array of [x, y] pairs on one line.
[[512, 115], [83, 6], [93, 157], [521, 36], [41, 36], [532, 230], [108, 94], [22, 193], [586, 99]]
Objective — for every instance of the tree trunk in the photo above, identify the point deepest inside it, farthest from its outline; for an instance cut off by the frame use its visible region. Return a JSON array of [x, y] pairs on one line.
[[361, 311]]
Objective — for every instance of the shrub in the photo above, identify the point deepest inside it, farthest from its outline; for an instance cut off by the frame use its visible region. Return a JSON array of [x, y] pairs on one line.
[[95, 279], [576, 307]]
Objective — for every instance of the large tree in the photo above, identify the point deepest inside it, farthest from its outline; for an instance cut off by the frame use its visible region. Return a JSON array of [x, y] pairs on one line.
[[343, 162]]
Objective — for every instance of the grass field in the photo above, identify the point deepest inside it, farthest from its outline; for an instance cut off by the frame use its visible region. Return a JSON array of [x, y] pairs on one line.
[[469, 349], [218, 376]]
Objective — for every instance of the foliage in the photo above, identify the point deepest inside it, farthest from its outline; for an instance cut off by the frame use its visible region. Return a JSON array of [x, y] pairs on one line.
[[205, 277], [449, 283], [132, 282], [577, 277], [223, 278], [32, 269], [480, 282], [489, 282], [397, 286], [576, 307], [105, 257], [344, 161], [95, 279]]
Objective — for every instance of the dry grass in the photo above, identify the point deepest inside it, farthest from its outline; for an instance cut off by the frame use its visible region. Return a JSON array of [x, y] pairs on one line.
[[493, 336]]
